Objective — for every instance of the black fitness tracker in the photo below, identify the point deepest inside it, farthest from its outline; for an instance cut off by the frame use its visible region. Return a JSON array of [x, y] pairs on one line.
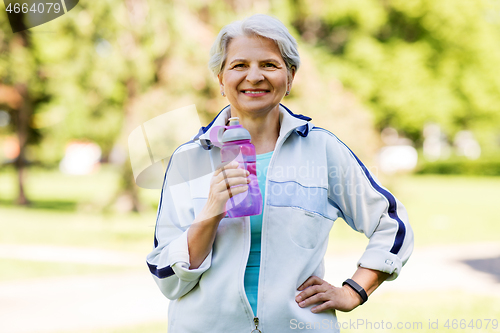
[[357, 288]]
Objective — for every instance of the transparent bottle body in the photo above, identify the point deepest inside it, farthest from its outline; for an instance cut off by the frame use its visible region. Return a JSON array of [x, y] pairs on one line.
[[249, 202]]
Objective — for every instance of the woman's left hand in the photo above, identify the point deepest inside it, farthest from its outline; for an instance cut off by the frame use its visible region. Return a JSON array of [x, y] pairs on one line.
[[316, 290]]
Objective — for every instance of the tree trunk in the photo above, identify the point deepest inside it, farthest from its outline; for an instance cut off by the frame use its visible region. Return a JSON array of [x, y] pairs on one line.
[[24, 113], [127, 196]]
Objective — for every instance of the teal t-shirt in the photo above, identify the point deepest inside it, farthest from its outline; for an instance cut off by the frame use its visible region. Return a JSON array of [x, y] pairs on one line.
[[253, 265]]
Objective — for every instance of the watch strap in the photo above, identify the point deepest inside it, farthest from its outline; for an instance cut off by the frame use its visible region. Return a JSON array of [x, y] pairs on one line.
[[357, 288]]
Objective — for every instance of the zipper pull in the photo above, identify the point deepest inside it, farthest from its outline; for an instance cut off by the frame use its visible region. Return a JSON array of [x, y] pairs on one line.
[[256, 322]]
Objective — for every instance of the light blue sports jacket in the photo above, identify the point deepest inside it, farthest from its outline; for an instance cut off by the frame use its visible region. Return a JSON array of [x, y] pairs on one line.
[[313, 179]]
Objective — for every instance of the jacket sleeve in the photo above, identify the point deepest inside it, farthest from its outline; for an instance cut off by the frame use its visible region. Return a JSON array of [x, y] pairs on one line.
[[169, 260], [370, 208]]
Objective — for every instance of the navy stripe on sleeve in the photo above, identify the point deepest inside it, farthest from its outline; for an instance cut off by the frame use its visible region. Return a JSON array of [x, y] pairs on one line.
[[162, 272], [392, 210], [393, 213]]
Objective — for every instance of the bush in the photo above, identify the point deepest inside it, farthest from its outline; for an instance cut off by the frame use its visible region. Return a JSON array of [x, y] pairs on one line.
[[462, 166]]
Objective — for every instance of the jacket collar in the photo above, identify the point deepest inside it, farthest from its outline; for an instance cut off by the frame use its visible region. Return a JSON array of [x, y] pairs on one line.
[[288, 122]]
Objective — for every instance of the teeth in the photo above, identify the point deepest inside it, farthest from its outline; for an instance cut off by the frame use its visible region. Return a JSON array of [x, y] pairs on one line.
[[253, 92]]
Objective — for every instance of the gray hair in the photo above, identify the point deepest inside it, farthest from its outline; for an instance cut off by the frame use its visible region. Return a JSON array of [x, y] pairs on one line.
[[255, 25]]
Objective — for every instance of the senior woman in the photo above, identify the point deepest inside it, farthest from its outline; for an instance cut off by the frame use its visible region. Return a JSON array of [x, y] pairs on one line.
[[264, 273]]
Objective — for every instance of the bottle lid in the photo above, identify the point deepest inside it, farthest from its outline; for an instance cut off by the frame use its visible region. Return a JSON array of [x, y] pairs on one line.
[[233, 121], [235, 131]]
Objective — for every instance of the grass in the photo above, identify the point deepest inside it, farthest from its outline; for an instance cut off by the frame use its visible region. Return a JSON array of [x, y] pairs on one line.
[[15, 269], [451, 209], [133, 233], [68, 211], [441, 209], [52, 190], [425, 308]]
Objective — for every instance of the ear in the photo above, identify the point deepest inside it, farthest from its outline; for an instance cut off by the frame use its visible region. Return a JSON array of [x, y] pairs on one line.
[[291, 76], [221, 84]]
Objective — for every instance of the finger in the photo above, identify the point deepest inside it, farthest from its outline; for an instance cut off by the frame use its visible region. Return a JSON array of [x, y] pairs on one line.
[[316, 298], [240, 174], [312, 280], [226, 166], [229, 173], [322, 307], [308, 292], [230, 165], [230, 184], [236, 190], [227, 183]]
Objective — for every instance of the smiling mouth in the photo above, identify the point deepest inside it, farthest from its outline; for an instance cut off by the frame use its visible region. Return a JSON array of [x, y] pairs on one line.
[[255, 91]]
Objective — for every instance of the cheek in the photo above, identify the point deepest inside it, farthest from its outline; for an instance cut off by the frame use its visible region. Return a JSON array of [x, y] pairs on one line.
[[232, 81], [283, 83]]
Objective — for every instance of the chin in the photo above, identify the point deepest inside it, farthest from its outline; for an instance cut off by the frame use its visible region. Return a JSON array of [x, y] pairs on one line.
[[259, 109]]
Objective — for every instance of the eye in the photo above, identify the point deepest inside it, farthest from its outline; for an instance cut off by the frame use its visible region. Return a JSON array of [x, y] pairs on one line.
[[269, 64], [238, 65]]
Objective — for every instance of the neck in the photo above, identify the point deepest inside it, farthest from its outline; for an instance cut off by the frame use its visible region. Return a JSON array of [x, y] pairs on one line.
[[264, 128]]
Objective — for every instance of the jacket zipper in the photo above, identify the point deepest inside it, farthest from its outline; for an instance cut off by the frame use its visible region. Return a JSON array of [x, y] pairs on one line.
[[255, 318], [256, 323]]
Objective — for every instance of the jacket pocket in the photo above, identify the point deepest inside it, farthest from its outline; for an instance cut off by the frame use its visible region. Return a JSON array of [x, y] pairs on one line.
[[307, 229], [308, 223]]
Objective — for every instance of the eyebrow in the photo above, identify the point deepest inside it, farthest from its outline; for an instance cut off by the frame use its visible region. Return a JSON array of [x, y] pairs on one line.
[[244, 60], [237, 60]]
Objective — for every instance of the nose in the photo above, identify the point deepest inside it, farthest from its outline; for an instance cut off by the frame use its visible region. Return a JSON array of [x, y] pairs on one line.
[[254, 75]]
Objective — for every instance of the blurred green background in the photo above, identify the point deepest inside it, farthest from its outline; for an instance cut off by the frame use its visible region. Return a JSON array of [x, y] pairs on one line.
[[420, 75]]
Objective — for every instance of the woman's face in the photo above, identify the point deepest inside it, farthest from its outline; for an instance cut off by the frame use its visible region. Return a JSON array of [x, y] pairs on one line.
[[254, 77]]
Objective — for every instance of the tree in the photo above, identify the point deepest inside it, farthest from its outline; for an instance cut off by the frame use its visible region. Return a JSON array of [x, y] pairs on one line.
[[21, 82], [106, 67], [412, 62]]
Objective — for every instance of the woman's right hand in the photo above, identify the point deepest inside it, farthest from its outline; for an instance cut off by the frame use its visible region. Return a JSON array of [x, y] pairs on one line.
[[226, 182]]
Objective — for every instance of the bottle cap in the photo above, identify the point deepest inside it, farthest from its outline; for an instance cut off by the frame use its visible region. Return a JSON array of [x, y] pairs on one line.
[[235, 131], [233, 121]]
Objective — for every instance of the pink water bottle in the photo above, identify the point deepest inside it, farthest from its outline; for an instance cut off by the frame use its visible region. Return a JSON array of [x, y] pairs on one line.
[[235, 144]]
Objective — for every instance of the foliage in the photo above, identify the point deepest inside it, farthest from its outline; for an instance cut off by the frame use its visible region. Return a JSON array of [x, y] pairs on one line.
[[415, 61], [462, 166], [98, 62], [106, 67]]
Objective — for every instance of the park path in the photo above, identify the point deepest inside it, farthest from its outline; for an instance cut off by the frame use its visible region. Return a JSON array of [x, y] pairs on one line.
[[473, 268], [106, 301], [79, 303]]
